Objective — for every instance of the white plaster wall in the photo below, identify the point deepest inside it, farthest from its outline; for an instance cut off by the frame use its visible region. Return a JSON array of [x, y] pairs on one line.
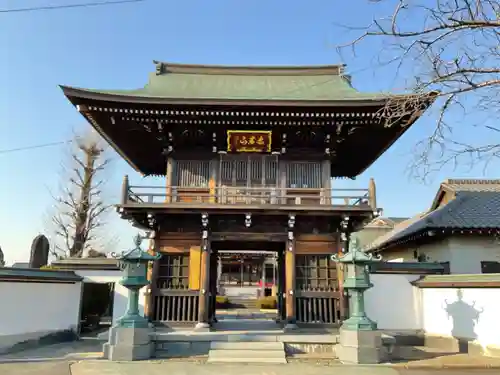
[[32, 310], [120, 296], [464, 253], [438, 251], [394, 303], [468, 252], [474, 315]]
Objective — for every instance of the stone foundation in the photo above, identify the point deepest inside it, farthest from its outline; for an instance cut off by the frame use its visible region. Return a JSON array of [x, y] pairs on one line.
[[129, 344], [360, 347]]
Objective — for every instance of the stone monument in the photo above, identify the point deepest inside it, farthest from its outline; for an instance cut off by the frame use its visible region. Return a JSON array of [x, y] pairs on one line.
[[39, 256], [360, 341], [130, 337], [2, 260]]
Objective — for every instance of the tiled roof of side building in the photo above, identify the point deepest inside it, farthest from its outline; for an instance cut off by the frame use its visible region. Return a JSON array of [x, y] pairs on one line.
[[472, 184], [397, 228], [455, 185], [469, 210]]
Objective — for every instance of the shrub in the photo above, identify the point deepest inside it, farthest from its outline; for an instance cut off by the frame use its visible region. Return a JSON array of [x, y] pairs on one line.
[[222, 302], [267, 302], [49, 267]]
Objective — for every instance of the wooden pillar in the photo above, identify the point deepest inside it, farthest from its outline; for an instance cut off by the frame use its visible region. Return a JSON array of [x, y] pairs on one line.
[[372, 194], [203, 306], [212, 183], [326, 182], [290, 275], [125, 190], [342, 249], [281, 292], [213, 285], [169, 179], [153, 268], [282, 181]]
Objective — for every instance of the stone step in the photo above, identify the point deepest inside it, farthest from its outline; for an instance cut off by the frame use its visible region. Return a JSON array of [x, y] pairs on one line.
[[243, 353], [243, 302], [247, 360], [247, 352], [248, 345]]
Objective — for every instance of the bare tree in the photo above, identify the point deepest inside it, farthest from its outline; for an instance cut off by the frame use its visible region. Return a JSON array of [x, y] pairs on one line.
[[451, 47], [80, 209]]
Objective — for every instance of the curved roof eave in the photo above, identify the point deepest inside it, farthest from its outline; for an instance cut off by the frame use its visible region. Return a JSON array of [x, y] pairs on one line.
[[137, 99]]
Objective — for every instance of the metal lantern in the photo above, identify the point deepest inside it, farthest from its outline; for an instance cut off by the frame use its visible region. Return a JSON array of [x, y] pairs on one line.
[[357, 281], [134, 264]]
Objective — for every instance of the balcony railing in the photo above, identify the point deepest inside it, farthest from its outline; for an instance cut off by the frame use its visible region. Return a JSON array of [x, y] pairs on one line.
[[229, 195]]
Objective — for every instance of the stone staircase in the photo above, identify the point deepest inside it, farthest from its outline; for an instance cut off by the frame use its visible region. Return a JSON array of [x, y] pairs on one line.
[[247, 352], [242, 302]]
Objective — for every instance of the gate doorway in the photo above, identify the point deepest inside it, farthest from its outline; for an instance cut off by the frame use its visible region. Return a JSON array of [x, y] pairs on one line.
[[247, 280]]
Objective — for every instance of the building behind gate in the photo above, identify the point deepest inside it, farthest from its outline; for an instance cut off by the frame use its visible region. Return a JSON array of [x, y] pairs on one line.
[[249, 156]]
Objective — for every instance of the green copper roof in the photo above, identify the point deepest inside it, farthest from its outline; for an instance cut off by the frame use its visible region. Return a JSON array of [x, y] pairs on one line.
[[309, 83]]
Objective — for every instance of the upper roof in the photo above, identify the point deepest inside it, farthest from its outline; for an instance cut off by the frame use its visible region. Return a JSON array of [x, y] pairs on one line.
[[452, 186], [265, 83], [183, 106], [470, 210]]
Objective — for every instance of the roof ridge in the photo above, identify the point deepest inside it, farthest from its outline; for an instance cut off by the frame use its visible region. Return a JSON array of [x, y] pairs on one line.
[[301, 70], [470, 181]]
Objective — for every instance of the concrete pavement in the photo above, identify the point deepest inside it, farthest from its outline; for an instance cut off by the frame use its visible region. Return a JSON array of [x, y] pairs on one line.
[[95, 367], [189, 368], [36, 368], [80, 358]]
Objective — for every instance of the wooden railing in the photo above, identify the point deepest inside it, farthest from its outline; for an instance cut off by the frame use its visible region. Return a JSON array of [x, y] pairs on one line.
[[318, 308], [175, 306], [228, 195]]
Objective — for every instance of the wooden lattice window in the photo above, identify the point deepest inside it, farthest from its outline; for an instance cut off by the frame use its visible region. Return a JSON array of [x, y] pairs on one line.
[[304, 175], [173, 272], [192, 173], [316, 273]]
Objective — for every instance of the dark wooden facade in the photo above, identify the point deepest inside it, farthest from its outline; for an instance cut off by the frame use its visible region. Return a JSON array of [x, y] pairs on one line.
[[248, 165]]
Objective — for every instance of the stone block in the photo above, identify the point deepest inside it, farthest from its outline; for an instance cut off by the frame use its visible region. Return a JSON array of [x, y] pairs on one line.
[[130, 352], [133, 336], [360, 338], [359, 355], [360, 347], [129, 344]]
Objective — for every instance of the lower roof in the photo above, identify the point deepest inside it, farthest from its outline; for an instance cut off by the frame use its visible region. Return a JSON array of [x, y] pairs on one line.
[[469, 211]]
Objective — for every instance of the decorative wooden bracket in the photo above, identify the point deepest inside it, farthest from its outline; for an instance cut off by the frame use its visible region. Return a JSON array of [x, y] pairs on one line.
[[283, 143], [214, 142]]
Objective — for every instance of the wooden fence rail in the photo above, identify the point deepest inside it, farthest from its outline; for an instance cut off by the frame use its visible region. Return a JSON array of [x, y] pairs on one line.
[[318, 308], [246, 196], [179, 306]]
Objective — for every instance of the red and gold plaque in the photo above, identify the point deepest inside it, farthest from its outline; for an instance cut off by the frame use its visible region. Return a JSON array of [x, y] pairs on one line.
[[248, 141]]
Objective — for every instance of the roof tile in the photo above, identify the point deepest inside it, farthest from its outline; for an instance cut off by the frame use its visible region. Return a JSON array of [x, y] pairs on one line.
[[472, 185], [469, 210]]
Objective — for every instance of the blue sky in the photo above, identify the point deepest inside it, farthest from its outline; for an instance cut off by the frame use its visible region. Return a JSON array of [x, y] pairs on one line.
[[113, 47]]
